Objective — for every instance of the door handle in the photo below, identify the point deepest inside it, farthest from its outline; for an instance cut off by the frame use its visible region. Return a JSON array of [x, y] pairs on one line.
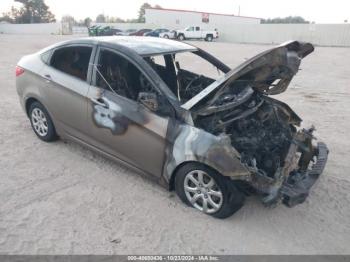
[[47, 77], [99, 101]]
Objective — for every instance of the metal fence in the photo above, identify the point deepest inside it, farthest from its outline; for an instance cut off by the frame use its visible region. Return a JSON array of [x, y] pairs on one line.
[[79, 30], [318, 34], [35, 29]]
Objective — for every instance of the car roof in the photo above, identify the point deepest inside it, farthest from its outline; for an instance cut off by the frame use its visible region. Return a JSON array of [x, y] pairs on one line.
[[144, 46]]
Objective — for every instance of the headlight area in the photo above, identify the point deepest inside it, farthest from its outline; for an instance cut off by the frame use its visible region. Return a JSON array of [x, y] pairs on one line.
[[291, 183]]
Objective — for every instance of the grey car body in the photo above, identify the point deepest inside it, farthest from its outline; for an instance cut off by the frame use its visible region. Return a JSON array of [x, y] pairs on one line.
[[271, 154]]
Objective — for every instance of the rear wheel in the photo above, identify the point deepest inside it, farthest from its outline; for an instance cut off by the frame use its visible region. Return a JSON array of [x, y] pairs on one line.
[[41, 122], [209, 38], [208, 191], [181, 37]]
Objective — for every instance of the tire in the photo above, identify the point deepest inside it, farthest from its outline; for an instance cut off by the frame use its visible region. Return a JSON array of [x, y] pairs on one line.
[[166, 36], [230, 201], [181, 37], [41, 122], [209, 38]]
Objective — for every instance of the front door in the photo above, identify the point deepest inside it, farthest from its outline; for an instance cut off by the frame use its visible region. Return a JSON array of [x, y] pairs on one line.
[[117, 123], [190, 33]]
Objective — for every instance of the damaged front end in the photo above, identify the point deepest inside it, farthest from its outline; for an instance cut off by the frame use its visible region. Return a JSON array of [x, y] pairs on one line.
[[292, 177], [283, 159]]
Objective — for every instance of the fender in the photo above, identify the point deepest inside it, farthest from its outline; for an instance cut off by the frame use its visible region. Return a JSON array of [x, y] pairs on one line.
[[192, 144]]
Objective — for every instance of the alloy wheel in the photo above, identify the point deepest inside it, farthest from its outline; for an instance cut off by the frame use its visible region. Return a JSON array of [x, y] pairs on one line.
[[39, 122], [203, 192]]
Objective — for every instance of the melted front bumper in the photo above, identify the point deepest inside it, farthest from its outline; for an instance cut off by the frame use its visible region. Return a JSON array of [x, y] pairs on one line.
[[296, 189]]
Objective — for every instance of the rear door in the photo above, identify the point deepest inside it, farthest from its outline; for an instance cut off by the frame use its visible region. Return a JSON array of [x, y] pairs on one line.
[[117, 123], [67, 80], [197, 32]]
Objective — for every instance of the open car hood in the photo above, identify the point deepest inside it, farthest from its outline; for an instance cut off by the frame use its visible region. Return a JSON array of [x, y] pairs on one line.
[[269, 72]]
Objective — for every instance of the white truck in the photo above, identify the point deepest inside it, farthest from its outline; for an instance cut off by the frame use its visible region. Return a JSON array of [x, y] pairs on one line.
[[196, 32]]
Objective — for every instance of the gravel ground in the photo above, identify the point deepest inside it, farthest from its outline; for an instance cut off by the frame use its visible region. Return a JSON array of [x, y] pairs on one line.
[[61, 198]]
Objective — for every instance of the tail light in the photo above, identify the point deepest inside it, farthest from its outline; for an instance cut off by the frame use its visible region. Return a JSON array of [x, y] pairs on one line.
[[19, 71]]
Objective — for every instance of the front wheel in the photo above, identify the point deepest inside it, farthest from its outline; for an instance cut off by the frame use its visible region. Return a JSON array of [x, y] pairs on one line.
[[206, 190], [181, 37], [166, 36], [41, 122]]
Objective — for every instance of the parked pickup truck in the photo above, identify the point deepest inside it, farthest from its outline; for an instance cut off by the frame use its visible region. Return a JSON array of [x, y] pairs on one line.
[[196, 32]]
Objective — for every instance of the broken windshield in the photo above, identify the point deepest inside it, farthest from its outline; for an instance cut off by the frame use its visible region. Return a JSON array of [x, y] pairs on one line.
[[185, 73]]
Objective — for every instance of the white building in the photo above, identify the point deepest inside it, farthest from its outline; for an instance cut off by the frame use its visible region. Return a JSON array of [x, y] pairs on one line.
[[178, 19]]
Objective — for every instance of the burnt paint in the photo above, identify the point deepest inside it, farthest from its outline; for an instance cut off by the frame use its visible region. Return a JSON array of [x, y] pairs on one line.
[[115, 117], [185, 142], [188, 143]]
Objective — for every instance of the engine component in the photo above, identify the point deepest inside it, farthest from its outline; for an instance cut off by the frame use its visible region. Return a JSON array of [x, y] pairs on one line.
[[259, 128]]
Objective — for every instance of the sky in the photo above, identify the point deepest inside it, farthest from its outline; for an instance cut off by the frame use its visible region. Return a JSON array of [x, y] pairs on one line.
[[321, 11]]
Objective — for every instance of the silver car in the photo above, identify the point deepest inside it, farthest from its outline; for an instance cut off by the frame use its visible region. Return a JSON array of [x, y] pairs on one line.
[[168, 35], [212, 138]]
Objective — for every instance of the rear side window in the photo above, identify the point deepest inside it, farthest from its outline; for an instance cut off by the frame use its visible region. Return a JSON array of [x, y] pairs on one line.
[[73, 60], [45, 57]]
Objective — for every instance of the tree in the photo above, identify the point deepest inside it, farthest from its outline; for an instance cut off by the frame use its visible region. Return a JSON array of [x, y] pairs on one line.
[[87, 21], [112, 19], [141, 18], [133, 20], [68, 19], [101, 18], [6, 18], [285, 20], [9, 16], [32, 11]]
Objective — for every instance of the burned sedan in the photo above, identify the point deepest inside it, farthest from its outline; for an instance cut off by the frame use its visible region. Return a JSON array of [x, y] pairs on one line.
[[213, 136]]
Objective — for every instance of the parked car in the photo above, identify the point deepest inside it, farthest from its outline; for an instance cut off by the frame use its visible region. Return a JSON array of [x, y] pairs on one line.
[[93, 30], [103, 31], [141, 32], [109, 31], [114, 31], [169, 35], [156, 32], [209, 139], [196, 32], [127, 32]]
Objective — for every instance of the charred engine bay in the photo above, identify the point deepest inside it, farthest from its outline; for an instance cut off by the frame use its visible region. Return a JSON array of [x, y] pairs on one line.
[[260, 128]]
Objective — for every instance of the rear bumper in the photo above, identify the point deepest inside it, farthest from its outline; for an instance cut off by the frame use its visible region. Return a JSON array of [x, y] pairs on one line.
[[295, 190]]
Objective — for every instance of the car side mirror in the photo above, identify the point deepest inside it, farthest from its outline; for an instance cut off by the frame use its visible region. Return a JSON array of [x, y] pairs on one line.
[[149, 100]]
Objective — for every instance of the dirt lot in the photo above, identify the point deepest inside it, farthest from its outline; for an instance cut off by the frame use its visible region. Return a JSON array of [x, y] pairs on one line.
[[61, 198]]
